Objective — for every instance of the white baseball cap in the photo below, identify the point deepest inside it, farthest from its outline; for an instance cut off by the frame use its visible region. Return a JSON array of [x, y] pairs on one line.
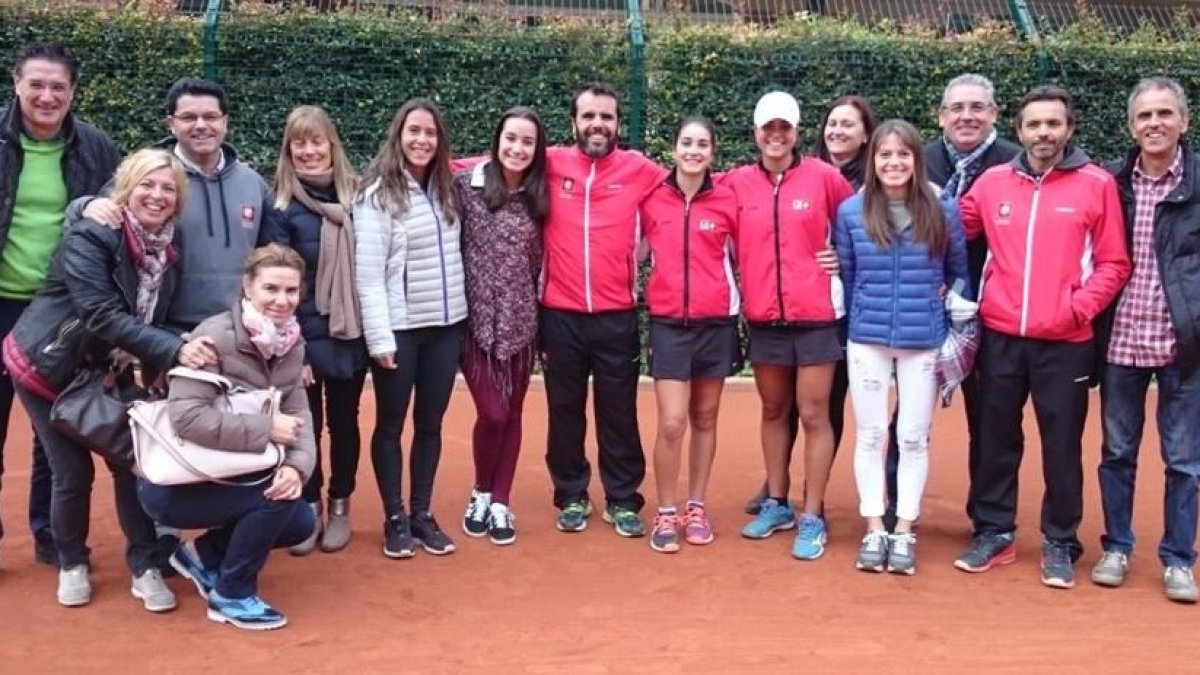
[[777, 105]]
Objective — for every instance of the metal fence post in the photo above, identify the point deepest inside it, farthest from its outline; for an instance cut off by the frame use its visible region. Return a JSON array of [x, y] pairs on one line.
[[209, 40], [1027, 29], [637, 76]]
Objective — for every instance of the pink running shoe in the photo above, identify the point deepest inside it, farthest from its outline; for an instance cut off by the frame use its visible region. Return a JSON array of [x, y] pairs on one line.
[[696, 529], [665, 536]]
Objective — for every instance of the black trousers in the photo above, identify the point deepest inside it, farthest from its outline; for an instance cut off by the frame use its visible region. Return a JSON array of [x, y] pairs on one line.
[[426, 361], [605, 347], [39, 478], [1056, 374], [334, 404]]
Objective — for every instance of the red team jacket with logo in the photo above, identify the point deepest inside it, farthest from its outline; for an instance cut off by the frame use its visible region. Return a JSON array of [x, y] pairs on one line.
[[592, 233], [784, 221], [1056, 247], [691, 249]]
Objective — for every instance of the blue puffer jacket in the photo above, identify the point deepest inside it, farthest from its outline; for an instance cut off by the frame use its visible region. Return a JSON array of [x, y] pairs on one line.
[[329, 357], [892, 294]]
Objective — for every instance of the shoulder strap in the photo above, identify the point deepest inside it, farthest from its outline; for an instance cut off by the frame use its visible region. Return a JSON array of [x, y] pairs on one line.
[[220, 381]]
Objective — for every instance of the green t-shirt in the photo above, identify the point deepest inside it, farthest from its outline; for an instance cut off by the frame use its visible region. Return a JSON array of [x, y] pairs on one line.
[[37, 218]]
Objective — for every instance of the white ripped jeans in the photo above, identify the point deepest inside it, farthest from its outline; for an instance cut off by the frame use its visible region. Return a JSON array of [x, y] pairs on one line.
[[870, 370]]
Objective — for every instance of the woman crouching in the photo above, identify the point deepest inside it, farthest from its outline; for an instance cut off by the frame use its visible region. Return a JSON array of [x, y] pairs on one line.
[[259, 346]]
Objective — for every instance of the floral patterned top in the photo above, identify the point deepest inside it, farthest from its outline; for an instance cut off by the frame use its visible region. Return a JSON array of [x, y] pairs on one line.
[[502, 252]]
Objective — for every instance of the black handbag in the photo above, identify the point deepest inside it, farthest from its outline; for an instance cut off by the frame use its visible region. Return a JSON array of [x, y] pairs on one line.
[[93, 410]]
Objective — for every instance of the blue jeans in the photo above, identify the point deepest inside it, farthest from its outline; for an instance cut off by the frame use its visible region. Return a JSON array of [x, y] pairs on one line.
[[1123, 410], [245, 526]]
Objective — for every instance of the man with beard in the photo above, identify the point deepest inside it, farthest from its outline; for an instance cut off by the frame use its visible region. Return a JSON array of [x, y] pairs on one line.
[[1056, 259], [588, 323]]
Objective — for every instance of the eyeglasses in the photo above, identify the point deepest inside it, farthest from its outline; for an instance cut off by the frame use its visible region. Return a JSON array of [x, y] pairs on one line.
[[192, 118], [975, 108]]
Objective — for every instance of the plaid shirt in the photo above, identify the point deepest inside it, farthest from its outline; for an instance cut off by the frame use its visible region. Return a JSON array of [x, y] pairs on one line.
[[1143, 335]]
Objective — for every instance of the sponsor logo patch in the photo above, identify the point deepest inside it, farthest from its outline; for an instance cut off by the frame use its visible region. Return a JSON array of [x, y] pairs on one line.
[[248, 216], [801, 205], [707, 226]]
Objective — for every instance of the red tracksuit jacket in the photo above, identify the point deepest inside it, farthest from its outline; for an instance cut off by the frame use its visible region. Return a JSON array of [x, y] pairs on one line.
[[691, 249], [784, 221], [1056, 247], [592, 233]]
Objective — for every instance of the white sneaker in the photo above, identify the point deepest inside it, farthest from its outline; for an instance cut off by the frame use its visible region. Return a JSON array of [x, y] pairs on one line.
[[74, 587], [152, 591]]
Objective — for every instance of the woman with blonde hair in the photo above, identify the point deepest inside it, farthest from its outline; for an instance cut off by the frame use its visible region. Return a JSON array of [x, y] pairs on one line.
[[103, 305], [409, 271], [314, 186]]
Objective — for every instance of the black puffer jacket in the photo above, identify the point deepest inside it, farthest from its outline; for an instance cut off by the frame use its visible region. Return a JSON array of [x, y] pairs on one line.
[[329, 357], [1177, 246], [89, 160], [86, 307], [938, 170]]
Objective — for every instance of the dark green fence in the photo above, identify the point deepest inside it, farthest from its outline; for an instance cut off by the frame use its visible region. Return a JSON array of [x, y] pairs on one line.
[[670, 58]]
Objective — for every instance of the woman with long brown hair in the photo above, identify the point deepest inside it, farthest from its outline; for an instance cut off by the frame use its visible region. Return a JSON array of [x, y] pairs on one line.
[[409, 271], [899, 246]]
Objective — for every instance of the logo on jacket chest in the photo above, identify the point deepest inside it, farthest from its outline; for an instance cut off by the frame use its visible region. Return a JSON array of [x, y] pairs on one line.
[[249, 216], [706, 226], [801, 205], [568, 185], [1004, 213]]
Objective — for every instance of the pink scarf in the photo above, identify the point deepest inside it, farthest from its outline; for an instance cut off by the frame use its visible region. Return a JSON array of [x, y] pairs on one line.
[[151, 257], [269, 338]]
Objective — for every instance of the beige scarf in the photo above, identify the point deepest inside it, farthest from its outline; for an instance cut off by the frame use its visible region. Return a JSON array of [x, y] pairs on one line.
[[334, 295]]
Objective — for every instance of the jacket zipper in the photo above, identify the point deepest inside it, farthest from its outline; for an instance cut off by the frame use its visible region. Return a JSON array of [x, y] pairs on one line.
[[895, 288], [587, 236], [687, 265], [64, 331], [1037, 193], [441, 264], [778, 252]]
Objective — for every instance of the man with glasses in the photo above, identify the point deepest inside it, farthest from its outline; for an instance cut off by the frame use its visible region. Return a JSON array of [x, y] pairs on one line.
[[968, 146], [227, 212]]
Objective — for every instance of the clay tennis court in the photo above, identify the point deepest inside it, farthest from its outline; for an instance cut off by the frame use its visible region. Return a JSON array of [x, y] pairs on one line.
[[595, 603]]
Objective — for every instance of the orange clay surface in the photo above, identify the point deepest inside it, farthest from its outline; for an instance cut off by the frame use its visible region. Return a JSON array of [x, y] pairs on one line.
[[593, 602]]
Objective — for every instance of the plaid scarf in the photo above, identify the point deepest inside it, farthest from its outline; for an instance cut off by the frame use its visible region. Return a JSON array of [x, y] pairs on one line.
[[967, 166], [149, 251]]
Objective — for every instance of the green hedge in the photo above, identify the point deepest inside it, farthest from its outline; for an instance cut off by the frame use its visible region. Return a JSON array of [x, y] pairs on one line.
[[361, 67]]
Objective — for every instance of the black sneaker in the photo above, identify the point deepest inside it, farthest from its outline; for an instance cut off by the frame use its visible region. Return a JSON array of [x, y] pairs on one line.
[[475, 519], [500, 525], [987, 550], [397, 537], [426, 531], [1058, 570]]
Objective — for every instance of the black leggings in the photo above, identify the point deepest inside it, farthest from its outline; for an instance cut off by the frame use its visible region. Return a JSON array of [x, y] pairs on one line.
[[335, 402], [426, 361]]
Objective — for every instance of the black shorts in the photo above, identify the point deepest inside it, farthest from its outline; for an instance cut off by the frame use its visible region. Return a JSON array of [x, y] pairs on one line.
[[691, 352], [795, 345]]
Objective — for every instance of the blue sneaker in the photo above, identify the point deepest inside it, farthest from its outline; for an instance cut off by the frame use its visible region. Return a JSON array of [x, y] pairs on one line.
[[189, 567], [250, 613], [810, 538], [772, 517]]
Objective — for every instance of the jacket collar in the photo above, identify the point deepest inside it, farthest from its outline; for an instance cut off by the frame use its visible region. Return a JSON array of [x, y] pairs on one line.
[[12, 126], [1073, 158], [1187, 185], [705, 187]]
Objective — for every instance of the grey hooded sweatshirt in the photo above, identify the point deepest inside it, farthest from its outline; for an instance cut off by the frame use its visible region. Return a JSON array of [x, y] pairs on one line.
[[224, 217]]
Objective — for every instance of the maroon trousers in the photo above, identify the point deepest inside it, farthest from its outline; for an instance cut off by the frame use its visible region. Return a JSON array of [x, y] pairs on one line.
[[498, 389]]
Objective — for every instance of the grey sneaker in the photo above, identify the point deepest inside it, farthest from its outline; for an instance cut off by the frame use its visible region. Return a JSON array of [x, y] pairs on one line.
[[1179, 584], [150, 588], [873, 553], [309, 545], [902, 553], [337, 530], [1111, 569], [74, 588]]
